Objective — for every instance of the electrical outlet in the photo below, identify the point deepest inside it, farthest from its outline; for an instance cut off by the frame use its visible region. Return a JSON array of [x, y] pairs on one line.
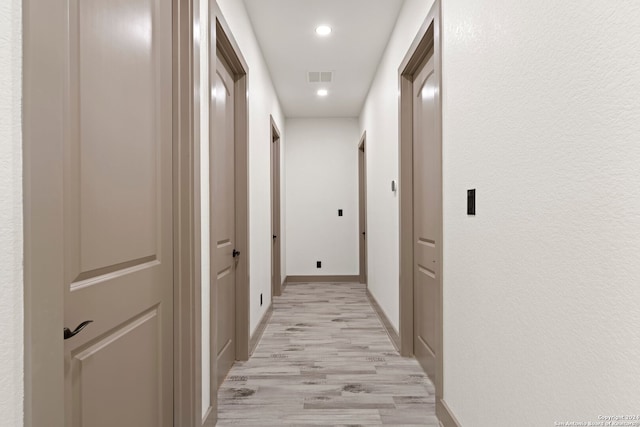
[[260, 300], [318, 264]]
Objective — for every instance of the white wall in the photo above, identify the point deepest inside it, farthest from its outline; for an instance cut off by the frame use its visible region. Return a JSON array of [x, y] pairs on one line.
[[322, 177], [205, 219], [542, 288], [379, 118], [11, 252], [263, 101], [541, 116]]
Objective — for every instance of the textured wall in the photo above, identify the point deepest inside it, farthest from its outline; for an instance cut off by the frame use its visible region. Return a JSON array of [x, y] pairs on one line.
[[11, 293], [205, 216], [263, 101], [541, 115], [379, 118], [322, 177], [542, 286]]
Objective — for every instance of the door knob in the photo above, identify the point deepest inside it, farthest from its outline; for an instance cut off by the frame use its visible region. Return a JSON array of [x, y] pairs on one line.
[[275, 237], [235, 253], [69, 334]]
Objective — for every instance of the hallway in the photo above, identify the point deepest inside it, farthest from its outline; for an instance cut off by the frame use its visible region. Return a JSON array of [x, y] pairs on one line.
[[325, 359], [448, 187]]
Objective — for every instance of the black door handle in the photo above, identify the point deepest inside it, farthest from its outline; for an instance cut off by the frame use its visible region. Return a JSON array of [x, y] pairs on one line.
[[69, 334], [275, 237], [235, 253]]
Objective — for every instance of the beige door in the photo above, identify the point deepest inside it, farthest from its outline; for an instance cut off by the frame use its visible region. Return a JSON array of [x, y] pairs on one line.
[[223, 219], [362, 207], [117, 210], [276, 278], [426, 205]]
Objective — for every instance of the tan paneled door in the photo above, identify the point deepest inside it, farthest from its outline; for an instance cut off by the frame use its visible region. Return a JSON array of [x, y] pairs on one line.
[[223, 211], [362, 207], [426, 218], [117, 213], [276, 248]]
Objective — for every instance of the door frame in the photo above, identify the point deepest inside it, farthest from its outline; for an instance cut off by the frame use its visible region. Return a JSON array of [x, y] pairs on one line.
[[42, 139], [44, 305], [276, 206], [187, 288], [427, 39], [362, 206]]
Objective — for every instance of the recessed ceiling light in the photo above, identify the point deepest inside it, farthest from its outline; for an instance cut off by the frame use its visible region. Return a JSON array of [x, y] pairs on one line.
[[323, 30], [322, 92]]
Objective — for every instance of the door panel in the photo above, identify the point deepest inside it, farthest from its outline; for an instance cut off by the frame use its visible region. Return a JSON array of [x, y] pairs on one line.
[[426, 202], [362, 207], [118, 213], [276, 278], [223, 219], [115, 105], [129, 352]]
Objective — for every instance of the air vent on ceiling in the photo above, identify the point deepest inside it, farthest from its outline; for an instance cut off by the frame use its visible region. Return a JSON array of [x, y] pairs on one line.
[[320, 76]]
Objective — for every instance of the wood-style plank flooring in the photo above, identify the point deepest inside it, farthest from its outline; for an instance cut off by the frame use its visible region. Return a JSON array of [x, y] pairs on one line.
[[324, 359]]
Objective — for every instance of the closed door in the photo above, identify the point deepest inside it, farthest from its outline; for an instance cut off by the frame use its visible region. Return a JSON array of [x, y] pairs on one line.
[[426, 223], [223, 219], [362, 202], [276, 279], [117, 208]]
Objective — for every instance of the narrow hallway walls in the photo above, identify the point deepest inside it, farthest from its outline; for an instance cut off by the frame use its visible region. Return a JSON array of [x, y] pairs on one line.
[[541, 117], [321, 178], [263, 101], [379, 118]]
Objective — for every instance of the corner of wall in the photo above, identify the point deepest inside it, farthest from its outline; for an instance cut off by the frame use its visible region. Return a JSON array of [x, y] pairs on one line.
[[11, 215]]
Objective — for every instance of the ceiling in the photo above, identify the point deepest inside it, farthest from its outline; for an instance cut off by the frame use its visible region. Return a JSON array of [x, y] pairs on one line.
[[285, 30]]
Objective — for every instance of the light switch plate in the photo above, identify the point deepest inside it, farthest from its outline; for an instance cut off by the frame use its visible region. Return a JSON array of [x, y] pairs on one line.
[[471, 202]]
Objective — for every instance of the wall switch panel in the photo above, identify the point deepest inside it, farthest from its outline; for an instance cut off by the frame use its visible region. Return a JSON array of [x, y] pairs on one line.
[[471, 202]]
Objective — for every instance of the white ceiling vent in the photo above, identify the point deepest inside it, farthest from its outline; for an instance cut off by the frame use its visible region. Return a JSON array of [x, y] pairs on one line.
[[320, 76]]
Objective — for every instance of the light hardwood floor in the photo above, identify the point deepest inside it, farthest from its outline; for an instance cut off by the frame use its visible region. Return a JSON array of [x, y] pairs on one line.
[[324, 359]]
